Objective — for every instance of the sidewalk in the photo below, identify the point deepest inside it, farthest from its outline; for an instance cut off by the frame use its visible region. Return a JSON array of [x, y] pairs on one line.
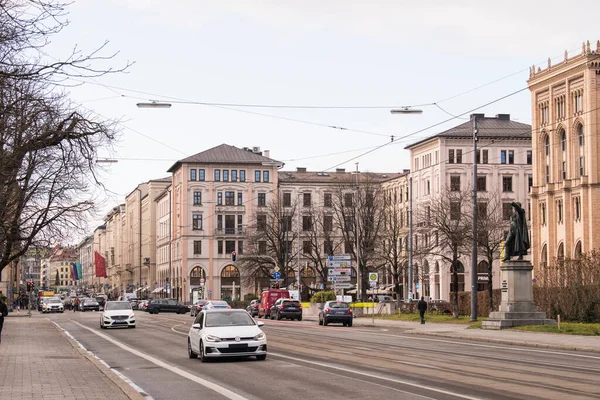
[[39, 361], [506, 336]]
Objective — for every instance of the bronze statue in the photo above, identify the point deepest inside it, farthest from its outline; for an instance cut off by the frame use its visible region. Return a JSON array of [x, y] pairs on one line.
[[517, 240]]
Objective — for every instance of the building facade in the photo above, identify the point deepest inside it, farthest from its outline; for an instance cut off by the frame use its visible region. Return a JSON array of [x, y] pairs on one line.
[[565, 101]]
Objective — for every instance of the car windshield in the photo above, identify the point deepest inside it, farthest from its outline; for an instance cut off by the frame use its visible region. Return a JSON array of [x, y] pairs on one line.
[[339, 305], [291, 304], [117, 305], [54, 301], [228, 319], [219, 303]]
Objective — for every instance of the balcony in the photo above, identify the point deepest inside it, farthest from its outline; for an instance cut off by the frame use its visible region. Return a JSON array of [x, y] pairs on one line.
[[222, 208], [230, 232]]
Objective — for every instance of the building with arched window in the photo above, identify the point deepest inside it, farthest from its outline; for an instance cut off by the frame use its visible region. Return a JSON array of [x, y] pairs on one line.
[[566, 168]]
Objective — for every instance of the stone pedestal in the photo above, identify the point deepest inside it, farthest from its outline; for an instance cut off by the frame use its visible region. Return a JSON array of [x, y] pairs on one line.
[[516, 306]]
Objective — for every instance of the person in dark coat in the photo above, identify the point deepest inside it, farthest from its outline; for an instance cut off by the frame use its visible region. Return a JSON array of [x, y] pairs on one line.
[[517, 240], [422, 306], [3, 313]]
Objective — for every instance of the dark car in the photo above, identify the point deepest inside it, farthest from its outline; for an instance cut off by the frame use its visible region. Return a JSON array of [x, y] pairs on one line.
[[166, 305], [286, 308], [335, 311], [253, 307], [197, 307], [88, 304]]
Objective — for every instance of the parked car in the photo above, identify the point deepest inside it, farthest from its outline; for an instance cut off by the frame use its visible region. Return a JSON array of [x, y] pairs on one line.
[[217, 305], [286, 308], [268, 298], [89, 304], [41, 302], [101, 299], [117, 314], [226, 333], [253, 307], [166, 305], [53, 304], [143, 304], [335, 311], [197, 307]]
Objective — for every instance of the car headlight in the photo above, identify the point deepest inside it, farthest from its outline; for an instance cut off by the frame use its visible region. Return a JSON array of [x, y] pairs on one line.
[[106, 317], [132, 316], [260, 336], [211, 338]]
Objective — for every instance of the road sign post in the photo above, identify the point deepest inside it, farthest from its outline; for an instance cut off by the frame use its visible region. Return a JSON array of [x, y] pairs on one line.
[[373, 279]]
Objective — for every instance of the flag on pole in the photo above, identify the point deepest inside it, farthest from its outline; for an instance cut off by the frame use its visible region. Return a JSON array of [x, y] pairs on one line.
[[100, 263], [79, 270], [73, 272]]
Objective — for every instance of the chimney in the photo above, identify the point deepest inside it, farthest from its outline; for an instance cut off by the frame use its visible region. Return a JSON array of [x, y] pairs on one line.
[[405, 171], [340, 170], [300, 169], [503, 117], [267, 153], [477, 116]]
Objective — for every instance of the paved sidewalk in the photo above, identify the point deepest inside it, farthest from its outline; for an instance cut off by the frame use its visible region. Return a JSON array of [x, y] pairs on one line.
[[39, 361], [457, 331]]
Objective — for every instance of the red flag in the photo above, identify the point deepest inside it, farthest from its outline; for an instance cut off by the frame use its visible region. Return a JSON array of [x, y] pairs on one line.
[[100, 263]]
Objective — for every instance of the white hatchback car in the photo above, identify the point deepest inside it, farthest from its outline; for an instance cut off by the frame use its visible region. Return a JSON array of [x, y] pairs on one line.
[[117, 314], [226, 333]]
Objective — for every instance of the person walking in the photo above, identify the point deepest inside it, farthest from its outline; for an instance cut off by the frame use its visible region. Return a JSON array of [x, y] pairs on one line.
[[3, 313], [76, 304], [422, 306]]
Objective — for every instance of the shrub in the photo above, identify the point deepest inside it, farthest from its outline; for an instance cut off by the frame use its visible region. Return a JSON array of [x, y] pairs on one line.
[[323, 296], [250, 296]]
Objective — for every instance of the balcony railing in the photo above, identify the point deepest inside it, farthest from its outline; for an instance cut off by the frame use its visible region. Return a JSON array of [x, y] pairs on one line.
[[230, 231]]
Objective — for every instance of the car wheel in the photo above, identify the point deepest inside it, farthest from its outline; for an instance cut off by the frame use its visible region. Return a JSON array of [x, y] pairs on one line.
[[157, 311], [202, 355], [320, 321], [325, 321], [350, 323], [261, 357], [101, 325], [271, 316], [299, 318], [191, 353], [259, 316], [278, 316]]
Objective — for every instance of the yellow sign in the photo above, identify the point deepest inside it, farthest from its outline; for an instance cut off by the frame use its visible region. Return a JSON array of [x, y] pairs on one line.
[[502, 252], [276, 268], [373, 277]]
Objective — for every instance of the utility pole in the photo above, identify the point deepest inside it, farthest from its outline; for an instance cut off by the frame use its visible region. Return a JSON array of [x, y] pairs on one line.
[[356, 222], [474, 249], [410, 239]]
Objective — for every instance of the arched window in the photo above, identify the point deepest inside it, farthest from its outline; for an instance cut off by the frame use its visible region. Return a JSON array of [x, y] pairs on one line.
[[559, 211], [580, 135], [230, 272], [563, 140], [547, 145], [577, 254], [561, 253], [482, 267], [544, 262], [577, 206], [581, 158]]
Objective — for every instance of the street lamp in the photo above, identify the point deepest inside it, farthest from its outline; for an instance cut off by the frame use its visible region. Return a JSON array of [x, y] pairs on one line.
[[154, 104], [406, 110], [474, 249], [299, 247]]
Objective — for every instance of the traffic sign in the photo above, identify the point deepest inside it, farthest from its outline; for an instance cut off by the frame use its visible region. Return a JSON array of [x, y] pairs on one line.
[[201, 281], [276, 268], [339, 271], [342, 278], [373, 278], [276, 280], [343, 257], [418, 286], [343, 286], [339, 264], [277, 275]]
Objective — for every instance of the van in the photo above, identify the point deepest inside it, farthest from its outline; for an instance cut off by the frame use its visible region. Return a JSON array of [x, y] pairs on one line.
[[268, 298]]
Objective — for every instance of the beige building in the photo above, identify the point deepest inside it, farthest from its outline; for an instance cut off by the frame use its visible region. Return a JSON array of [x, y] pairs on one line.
[[565, 100], [446, 160], [163, 240]]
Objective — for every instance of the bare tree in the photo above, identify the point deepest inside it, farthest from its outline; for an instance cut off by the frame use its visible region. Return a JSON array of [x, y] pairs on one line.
[[443, 230]]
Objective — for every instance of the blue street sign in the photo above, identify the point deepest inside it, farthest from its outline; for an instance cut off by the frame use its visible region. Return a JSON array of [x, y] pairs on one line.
[[276, 275]]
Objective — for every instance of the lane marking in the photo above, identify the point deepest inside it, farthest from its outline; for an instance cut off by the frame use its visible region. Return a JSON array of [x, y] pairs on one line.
[[341, 351], [416, 364], [120, 375], [208, 384], [374, 376]]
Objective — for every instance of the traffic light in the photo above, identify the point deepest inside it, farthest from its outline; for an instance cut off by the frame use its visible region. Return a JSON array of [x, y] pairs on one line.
[[29, 286], [233, 256], [277, 286]]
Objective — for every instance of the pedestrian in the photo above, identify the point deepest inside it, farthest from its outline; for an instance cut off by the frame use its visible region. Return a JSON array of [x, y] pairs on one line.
[[76, 304], [422, 306], [3, 313]]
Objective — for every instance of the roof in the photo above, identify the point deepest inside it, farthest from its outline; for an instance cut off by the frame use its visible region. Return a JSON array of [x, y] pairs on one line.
[[292, 177], [225, 154], [498, 127]]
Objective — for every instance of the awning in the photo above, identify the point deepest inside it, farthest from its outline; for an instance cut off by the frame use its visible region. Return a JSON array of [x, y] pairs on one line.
[[158, 290], [143, 289]]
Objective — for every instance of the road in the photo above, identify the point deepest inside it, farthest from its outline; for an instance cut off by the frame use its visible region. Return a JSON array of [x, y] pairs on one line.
[[308, 361]]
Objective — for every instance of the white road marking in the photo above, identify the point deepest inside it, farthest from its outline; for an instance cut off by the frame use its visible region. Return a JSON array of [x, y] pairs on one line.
[[341, 351], [210, 385], [416, 364], [376, 376]]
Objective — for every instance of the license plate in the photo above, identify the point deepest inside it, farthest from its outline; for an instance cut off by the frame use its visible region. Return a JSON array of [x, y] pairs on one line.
[[238, 345]]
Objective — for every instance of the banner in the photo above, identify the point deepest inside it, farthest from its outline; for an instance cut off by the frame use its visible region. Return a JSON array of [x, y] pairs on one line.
[[79, 270], [73, 271], [100, 263]]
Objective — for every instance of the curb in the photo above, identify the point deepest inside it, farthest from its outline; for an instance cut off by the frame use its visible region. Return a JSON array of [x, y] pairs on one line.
[[117, 378]]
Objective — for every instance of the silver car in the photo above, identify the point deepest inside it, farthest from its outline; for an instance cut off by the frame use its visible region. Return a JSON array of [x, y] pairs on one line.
[[53, 304]]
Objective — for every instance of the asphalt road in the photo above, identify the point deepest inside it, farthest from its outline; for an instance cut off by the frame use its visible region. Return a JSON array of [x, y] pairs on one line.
[[308, 361]]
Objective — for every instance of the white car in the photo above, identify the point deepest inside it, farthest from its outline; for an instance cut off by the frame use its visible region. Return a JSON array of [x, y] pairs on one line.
[[226, 333], [53, 304], [117, 314]]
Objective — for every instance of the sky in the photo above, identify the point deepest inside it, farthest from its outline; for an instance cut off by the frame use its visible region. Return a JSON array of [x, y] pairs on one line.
[[372, 55]]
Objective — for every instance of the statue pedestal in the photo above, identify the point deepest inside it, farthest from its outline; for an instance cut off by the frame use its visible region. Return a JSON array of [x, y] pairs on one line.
[[516, 306]]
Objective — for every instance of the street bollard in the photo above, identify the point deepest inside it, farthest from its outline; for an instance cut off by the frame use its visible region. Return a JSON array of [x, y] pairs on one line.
[[558, 322]]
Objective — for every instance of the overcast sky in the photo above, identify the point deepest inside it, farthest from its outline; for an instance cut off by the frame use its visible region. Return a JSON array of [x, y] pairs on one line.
[[313, 53]]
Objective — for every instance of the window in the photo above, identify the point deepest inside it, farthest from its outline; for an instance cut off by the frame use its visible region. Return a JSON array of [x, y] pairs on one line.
[[482, 210], [265, 176], [242, 175], [201, 175], [502, 156], [559, 211], [478, 157], [327, 200], [529, 157], [459, 156], [578, 100], [239, 224], [529, 183], [455, 210], [428, 187], [559, 103], [348, 199], [577, 209], [287, 199], [451, 156], [192, 174], [455, 183], [262, 247], [511, 156], [256, 176], [288, 246], [543, 207], [233, 175], [197, 198], [261, 222], [581, 166], [547, 174], [229, 246], [328, 247], [348, 247], [240, 248], [286, 222], [219, 198], [543, 112], [225, 175], [507, 184], [306, 223], [197, 246], [229, 198], [327, 223], [580, 136], [197, 222], [506, 211], [481, 183], [262, 199], [306, 247], [217, 175], [547, 145], [485, 156], [564, 170], [306, 199]]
